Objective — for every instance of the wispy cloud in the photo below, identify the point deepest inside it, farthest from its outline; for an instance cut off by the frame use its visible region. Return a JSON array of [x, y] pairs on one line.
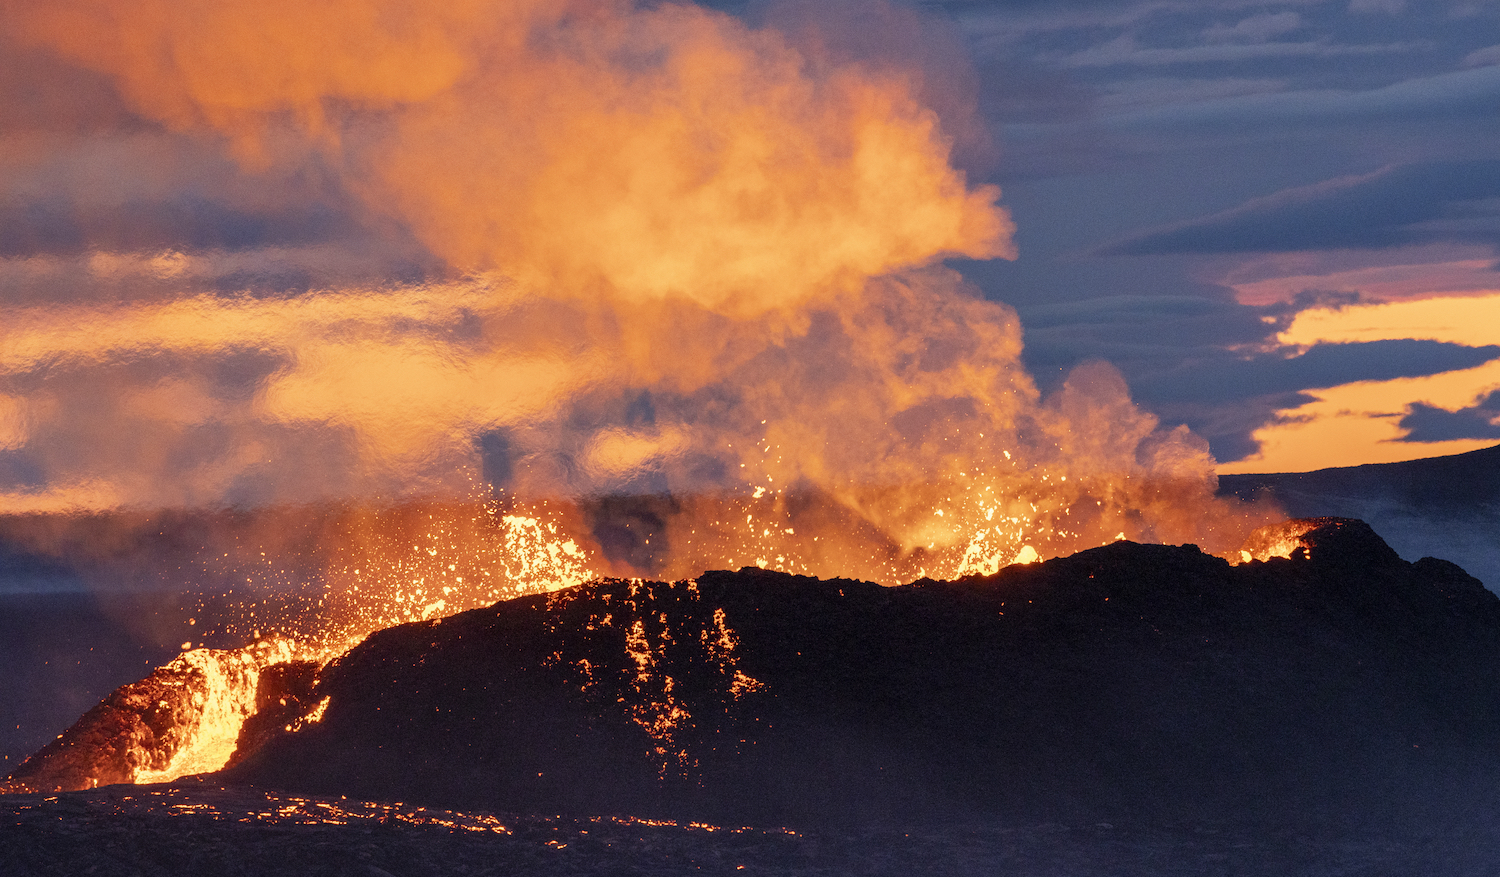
[[1485, 57], [1255, 29], [1389, 7], [1156, 91], [1003, 23], [1126, 50], [1393, 206]]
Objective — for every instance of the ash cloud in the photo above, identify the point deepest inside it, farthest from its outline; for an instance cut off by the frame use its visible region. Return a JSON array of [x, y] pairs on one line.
[[656, 252]]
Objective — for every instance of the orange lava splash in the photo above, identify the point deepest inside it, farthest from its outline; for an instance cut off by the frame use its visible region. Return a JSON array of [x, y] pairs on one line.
[[226, 682]]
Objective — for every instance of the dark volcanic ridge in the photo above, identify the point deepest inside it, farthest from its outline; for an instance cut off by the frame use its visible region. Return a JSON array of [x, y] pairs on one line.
[[1340, 685]]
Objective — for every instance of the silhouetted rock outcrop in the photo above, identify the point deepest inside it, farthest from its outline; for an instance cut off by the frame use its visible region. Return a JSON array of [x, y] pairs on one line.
[[1144, 681]]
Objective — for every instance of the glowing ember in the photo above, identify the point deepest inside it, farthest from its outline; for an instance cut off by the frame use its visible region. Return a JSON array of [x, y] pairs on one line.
[[651, 641], [461, 558]]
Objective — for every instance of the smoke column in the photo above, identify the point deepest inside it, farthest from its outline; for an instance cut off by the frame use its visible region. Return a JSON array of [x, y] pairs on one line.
[[684, 290]]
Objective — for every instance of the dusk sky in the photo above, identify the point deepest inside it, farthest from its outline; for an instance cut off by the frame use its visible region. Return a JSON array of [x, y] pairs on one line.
[[1279, 220], [227, 242]]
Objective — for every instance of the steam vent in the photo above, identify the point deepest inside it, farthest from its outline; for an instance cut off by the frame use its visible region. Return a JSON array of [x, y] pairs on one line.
[[1323, 677]]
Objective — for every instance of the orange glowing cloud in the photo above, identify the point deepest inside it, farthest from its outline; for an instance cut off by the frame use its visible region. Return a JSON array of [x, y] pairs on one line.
[[597, 147], [1358, 423], [1472, 319], [693, 286]]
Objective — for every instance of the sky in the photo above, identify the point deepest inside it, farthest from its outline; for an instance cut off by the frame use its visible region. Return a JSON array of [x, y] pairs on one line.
[[261, 253], [1279, 220]]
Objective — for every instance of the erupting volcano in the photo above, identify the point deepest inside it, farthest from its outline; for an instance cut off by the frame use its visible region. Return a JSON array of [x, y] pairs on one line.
[[666, 295], [682, 297], [681, 307], [1148, 682]]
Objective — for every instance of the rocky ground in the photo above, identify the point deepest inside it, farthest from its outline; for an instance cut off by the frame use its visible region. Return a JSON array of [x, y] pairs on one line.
[[204, 830]]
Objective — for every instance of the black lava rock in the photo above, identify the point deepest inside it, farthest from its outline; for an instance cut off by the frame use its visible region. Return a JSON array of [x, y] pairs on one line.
[[1126, 682]]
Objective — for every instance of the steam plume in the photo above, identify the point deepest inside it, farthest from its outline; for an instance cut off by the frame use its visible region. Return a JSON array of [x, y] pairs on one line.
[[691, 287]]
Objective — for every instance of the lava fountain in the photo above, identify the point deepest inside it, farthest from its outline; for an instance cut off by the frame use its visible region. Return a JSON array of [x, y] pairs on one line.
[[683, 308]]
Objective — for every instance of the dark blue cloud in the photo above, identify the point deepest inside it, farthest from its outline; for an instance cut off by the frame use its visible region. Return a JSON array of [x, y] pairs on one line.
[[1141, 335], [1424, 423], [1230, 427], [1323, 365], [1395, 206], [1226, 398], [189, 222]]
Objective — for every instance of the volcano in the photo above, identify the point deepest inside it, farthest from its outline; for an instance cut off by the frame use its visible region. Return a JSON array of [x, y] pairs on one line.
[[1323, 680]]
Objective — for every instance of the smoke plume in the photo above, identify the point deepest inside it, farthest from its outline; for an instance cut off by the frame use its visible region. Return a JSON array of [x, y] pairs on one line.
[[680, 283]]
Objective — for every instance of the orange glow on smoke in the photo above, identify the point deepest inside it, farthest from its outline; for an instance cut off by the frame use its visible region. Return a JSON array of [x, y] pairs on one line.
[[599, 148]]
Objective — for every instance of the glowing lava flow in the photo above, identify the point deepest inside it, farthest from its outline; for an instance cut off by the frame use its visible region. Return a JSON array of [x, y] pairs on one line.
[[223, 685], [398, 580]]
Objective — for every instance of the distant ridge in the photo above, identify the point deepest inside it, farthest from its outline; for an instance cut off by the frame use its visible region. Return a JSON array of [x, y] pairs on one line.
[[1450, 484]]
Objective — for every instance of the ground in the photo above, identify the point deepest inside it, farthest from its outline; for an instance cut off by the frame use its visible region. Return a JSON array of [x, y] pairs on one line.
[[198, 829]]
